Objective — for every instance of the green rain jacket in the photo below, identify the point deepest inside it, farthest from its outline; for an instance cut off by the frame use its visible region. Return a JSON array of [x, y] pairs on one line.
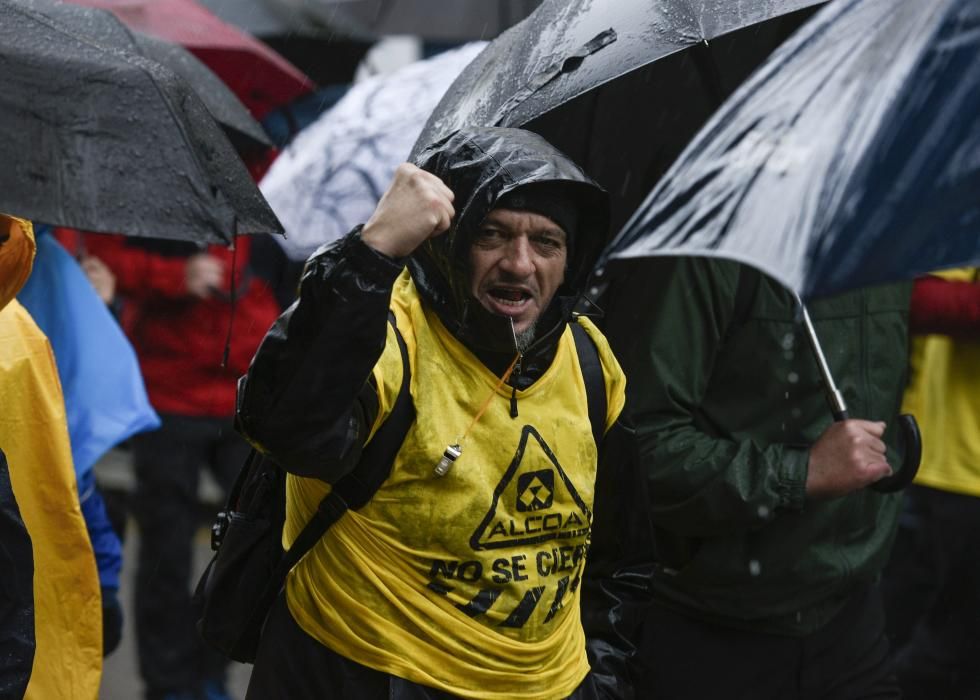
[[727, 398]]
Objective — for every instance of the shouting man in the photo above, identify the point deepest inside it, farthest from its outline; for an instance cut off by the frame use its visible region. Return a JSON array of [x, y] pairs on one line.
[[461, 574]]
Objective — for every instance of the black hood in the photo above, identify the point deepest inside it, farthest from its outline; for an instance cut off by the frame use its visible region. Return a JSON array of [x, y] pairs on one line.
[[480, 165]]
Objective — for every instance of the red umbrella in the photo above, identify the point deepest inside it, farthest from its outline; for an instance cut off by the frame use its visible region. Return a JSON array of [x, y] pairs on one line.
[[261, 78]]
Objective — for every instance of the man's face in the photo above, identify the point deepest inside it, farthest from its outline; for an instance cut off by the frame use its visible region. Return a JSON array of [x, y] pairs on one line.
[[517, 262]]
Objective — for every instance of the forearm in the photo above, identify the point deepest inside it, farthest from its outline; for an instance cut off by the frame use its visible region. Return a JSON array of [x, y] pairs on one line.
[[706, 487], [306, 398]]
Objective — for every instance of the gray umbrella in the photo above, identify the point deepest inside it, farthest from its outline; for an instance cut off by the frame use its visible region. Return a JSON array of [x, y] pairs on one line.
[[101, 139]]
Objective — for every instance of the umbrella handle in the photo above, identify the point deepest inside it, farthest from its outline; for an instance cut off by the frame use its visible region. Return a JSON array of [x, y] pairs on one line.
[[911, 438], [908, 428]]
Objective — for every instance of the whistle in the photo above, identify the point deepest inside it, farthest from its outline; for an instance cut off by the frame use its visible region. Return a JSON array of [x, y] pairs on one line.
[[451, 454]]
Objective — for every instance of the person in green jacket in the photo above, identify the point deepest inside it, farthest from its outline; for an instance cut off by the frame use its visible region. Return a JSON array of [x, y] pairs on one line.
[[767, 543]]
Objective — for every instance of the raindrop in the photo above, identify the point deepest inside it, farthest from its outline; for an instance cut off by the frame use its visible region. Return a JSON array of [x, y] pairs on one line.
[[796, 413], [763, 512], [755, 568], [793, 378], [788, 340]]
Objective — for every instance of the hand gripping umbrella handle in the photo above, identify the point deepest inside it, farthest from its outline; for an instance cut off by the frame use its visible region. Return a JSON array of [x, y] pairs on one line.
[[908, 428]]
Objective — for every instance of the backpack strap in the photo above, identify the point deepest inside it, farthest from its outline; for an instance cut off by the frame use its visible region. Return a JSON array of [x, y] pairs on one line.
[[595, 381], [378, 457], [357, 487]]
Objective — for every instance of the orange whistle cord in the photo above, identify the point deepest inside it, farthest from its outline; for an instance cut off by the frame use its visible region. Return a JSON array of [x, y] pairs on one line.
[[486, 404]]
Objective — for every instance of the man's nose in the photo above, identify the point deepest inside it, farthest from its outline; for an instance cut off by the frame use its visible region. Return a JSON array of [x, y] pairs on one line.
[[518, 259]]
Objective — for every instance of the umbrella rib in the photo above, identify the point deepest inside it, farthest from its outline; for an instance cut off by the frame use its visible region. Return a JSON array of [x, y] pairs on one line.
[[555, 69]]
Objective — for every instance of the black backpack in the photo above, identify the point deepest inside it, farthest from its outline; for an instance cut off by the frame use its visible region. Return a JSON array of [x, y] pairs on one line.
[[236, 591]]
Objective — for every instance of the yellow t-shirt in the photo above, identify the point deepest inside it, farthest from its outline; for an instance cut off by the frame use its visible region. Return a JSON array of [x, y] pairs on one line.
[[469, 582], [944, 396]]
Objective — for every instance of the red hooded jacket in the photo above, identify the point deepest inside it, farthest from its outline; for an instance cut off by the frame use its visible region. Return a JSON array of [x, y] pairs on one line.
[[180, 339]]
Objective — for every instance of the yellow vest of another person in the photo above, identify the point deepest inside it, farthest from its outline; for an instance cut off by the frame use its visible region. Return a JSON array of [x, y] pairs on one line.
[[944, 396], [34, 437], [469, 582]]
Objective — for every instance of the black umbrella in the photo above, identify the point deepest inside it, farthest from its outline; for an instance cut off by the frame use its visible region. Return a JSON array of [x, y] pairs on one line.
[[850, 159], [102, 27], [101, 139], [221, 102], [621, 87]]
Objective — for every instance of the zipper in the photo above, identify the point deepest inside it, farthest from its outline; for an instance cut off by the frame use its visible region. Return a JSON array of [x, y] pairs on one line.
[[513, 389], [516, 372]]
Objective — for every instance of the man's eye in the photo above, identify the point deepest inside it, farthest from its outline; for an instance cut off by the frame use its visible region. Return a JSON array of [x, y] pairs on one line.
[[550, 242], [488, 236]]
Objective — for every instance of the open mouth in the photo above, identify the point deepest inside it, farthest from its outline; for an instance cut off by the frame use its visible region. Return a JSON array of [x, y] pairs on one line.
[[508, 296]]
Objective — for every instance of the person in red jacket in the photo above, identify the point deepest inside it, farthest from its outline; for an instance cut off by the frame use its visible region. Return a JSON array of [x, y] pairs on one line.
[[195, 317]]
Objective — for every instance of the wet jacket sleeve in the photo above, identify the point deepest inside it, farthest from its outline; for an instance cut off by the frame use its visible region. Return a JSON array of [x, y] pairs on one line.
[[703, 483], [308, 398], [105, 542]]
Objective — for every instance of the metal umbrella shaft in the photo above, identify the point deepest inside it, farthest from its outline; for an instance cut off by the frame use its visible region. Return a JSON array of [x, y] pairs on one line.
[[836, 399], [908, 427]]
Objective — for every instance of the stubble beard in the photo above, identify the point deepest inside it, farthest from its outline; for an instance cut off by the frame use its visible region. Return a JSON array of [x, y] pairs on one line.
[[526, 337]]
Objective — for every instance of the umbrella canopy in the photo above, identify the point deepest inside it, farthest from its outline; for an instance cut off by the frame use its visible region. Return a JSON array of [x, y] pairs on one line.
[[104, 140], [621, 87], [332, 175], [261, 78], [433, 20], [851, 158], [221, 102], [103, 28]]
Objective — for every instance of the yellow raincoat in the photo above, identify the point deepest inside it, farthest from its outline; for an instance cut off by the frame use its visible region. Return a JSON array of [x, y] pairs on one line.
[[34, 436]]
